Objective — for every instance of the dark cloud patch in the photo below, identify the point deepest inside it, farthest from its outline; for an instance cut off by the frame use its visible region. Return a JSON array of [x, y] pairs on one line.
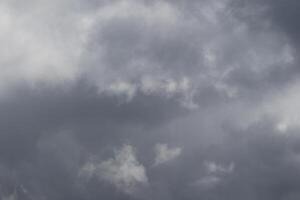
[[283, 14], [265, 167], [29, 113], [265, 161], [47, 133]]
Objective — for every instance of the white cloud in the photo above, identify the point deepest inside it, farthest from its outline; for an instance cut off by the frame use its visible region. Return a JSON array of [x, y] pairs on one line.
[[122, 89], [163, 153], [123, 171], [214, 168], [215, 174]]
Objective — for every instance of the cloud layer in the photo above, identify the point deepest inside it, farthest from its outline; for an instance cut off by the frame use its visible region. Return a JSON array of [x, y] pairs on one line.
[[137, 99]]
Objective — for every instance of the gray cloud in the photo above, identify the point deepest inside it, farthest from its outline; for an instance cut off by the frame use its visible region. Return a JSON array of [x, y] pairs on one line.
[[123, 171], [149, 100], [165, 154]]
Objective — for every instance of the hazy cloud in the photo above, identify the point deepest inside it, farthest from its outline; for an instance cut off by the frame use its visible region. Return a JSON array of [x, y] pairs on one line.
[[203, 92], [123, 171], [163, 153]]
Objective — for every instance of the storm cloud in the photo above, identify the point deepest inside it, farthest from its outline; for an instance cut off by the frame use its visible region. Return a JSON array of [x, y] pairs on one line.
[[137, 99]]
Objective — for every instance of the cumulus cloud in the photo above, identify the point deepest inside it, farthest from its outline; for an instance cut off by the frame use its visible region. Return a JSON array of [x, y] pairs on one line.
[[123, 171], [164, 153]]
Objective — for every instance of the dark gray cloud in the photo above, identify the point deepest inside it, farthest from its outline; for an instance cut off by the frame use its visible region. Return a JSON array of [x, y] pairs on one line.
[[282, 14], [149, 100]]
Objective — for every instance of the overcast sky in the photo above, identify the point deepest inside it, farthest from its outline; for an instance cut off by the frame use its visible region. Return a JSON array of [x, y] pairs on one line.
[[149, 100]]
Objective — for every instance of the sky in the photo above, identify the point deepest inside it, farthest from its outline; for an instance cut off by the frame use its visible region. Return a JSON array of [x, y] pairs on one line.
[[149, 100]]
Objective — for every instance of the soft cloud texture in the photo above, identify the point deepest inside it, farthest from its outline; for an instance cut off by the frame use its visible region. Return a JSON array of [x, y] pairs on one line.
[[138, 99], [164, 154], [123, 171]]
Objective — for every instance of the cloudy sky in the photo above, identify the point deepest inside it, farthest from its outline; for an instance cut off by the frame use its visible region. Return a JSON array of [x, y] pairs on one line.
[[149, 99]]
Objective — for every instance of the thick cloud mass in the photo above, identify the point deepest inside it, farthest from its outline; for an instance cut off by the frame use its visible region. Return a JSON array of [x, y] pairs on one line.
[[136, 99]]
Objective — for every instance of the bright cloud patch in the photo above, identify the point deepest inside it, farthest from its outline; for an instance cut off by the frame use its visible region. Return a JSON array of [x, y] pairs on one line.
[[123, 171], [214, 168], [164, 153]]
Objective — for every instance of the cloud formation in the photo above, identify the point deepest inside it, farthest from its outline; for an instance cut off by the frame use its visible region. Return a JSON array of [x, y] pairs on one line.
[[164, 154], [123, 171], [138, 99]]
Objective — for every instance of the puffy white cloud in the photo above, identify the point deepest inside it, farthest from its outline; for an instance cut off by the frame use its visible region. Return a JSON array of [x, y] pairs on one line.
[[164, 153], [123, 171]]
